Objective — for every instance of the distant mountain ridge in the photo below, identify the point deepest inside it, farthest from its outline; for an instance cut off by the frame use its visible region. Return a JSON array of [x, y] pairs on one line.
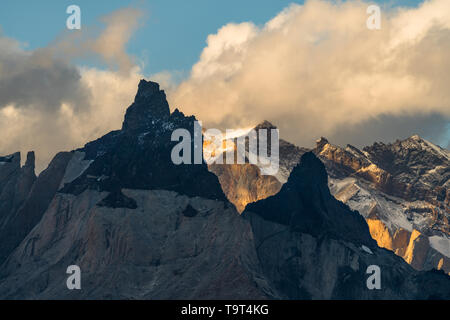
[[402, 191], [140, 227], [400, 188], [313, 246]]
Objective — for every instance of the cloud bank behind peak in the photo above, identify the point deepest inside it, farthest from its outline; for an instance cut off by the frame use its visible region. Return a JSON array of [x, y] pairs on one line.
[[317, 70]]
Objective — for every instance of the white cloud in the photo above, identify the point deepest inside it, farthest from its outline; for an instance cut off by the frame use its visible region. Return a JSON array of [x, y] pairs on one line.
[[49, 105], [225, 51], [315, 69]]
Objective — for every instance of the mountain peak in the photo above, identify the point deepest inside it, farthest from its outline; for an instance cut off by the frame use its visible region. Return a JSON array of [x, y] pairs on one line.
[[146, 89], [30, 162], [415, 137], [320, 143], [417, 142], [310, 170], [306, 205], [140, 155], [150, 105]]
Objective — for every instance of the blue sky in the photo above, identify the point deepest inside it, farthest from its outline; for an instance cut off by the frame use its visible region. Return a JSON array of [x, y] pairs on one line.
[[172, 35]]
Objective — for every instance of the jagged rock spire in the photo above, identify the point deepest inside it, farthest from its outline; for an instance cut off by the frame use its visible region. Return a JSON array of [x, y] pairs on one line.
[[306, 205], [150, 104], [321, 143]]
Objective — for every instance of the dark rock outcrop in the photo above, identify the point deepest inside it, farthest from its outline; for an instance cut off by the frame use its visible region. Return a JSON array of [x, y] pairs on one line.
[[35, 196], [311, 246], [117, 199], [15, 185], [139, 155], [306, 205]]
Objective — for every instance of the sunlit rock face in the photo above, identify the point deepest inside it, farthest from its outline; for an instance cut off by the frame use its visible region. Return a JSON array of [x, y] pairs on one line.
[[244, 183], [400, 188], [420, 169], [241, 183]]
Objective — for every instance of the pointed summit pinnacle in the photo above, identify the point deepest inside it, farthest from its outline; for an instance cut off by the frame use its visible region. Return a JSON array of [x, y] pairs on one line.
[[150, 105]]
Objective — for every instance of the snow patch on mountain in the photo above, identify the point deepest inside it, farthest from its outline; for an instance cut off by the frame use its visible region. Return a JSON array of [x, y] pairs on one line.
[[77, 165], [366, 249], [441, 244], [427, 145], [394, 212]]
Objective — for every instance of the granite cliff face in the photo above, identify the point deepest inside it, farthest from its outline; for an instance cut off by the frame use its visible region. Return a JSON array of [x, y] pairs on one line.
[[23, 197], [420, 170], [171, 246], [141, 227]]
